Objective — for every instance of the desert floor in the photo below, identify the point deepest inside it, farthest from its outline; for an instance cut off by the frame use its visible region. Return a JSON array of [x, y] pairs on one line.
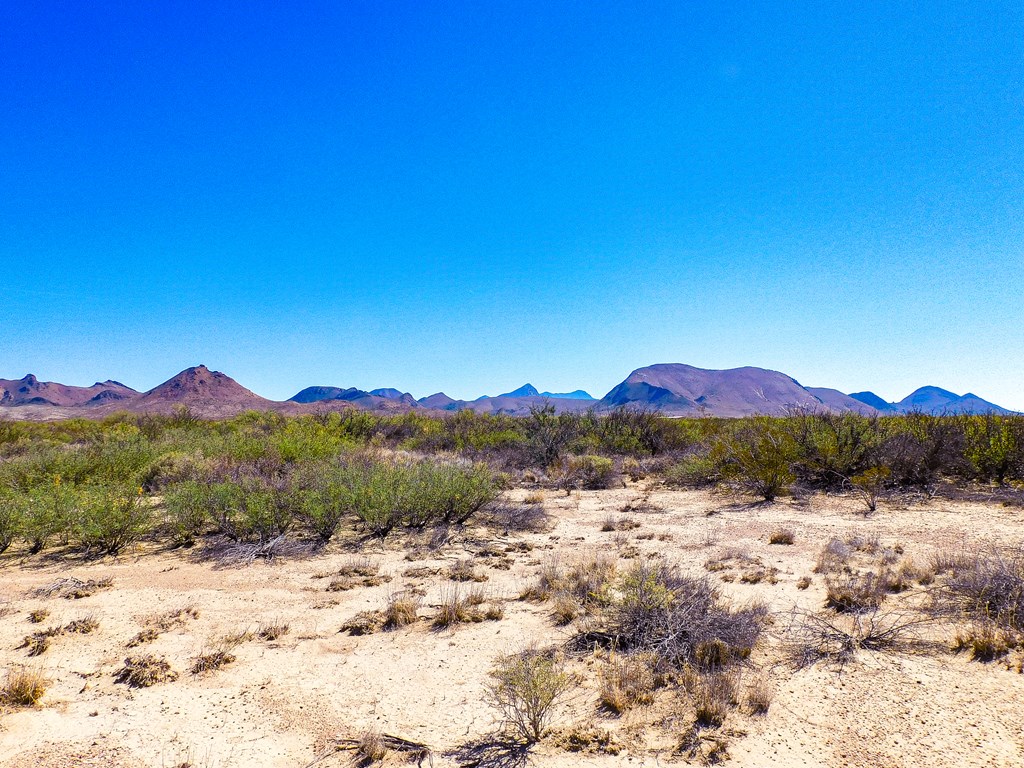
[[283, 702]]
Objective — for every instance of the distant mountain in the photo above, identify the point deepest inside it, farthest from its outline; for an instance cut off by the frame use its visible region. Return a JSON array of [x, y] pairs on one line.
[[527, 390], [683, 389], [874, 401], [30, 391], [316, 394], [935, 400], [389, 393], [932, 400], [439, 401], [835, 400], [374, 400], [579, 394], [674, 389], [207, 393]]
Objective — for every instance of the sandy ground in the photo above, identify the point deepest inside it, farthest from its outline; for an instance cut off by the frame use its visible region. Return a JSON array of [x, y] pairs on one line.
[[282, 701]]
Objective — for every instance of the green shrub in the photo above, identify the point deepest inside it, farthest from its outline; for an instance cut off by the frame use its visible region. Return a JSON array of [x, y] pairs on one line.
[[112, 517], [525, 688], [695, 470], [588, 472], [759, 457], [187, 511], [13, 506]]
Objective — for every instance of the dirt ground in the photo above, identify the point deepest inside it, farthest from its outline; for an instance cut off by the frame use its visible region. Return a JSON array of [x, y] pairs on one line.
[[283, 702]]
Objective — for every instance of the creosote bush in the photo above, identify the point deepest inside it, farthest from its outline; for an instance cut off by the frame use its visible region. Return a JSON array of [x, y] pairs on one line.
[[525, 688]]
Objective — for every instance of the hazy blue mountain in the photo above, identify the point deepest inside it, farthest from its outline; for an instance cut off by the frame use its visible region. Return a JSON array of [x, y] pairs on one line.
[[527, 390], [579, 394], [873, 400], [936, 400]]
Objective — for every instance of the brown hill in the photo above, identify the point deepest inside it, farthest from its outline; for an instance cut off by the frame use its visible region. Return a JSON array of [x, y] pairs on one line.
[[30, 391], [207, 393]]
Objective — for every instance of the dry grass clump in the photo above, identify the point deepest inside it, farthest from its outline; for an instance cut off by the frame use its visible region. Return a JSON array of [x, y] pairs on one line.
[[370, 749], [358, 572], [219, 653], [627, 681], [855, 592], [74, 589], [23, 687], [613, 523], [834, 557], [271, 631], [712, 695], [38, 616], [401, 611], [782, 536], [471, 607], [144, 671], [364, 623], [587, 738], [986, 641], [145, 636], [83, 626], [578, 590], [465, 570], [758, 696], [38, 643]]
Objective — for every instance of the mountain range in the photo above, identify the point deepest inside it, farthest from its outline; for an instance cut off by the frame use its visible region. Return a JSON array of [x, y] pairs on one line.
[[674, 389]]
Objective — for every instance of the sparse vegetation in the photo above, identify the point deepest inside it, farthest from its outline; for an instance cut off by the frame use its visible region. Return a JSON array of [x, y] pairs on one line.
[[144, 671], [782, 536], [626, 682], [23, 687], [525, 689]]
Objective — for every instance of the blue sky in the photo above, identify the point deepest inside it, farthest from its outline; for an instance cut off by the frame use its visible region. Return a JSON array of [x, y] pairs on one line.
[[467, 196]]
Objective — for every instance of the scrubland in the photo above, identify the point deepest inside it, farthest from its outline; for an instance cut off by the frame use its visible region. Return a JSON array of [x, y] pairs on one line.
[[551, 590]]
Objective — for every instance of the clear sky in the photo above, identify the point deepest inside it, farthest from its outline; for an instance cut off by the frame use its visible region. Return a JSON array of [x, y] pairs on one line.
[[467, 196]]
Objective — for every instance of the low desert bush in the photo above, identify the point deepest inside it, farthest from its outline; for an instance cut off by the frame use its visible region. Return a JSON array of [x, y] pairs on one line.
[[680, 619], [529, 516], [144, 671], [587, 473], [758, 458], [38, 616], [987, 587], [525, 689], [696, 470], [465, 570], [23, 687]]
